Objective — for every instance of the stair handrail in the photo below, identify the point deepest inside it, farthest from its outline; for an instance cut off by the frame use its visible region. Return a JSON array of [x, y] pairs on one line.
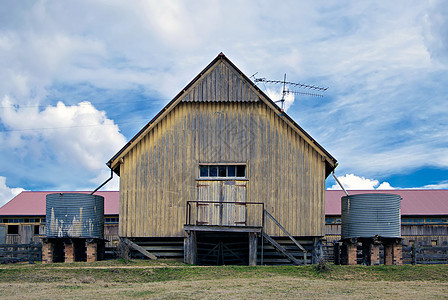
[[286, 232]]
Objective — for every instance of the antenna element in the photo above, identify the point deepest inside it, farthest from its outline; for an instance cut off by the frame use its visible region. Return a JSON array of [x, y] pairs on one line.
[[286, 90]]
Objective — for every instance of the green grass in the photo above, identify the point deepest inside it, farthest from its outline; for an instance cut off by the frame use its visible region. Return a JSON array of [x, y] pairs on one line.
[[163, 279], [166, 270]]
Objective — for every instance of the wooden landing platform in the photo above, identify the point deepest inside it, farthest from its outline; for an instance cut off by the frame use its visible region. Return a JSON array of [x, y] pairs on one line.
[[218, 228]]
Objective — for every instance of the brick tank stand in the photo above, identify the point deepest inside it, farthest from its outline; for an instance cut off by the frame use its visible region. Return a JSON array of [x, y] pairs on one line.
[[92, 251], [47, 252], [349, 252]]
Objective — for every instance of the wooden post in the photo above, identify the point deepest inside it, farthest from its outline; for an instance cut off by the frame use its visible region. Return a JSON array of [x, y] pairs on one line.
[[139, 248], [337, 253], [414, 255], [253, 248], [190, 248], [317, 250]]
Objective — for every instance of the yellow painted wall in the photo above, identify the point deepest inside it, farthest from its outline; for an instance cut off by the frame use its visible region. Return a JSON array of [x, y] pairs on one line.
[[159, 174]]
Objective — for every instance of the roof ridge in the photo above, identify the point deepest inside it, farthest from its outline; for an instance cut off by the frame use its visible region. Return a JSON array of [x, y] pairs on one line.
[[331, 162]]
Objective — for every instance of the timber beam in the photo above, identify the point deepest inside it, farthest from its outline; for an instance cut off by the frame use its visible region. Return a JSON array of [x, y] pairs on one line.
[[139, 248]]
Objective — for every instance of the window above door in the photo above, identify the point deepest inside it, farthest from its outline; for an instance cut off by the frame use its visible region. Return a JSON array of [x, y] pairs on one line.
[[222, 171]]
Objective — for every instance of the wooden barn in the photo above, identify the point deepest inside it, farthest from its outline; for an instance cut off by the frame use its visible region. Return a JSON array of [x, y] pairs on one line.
[[221, 175]]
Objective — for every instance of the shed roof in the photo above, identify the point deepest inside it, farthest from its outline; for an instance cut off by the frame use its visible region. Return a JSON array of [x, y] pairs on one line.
[[414, 202], [34, 203], [221, 93]]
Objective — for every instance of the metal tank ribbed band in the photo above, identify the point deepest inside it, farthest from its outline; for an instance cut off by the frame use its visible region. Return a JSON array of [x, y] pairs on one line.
[[75, 215], [369, 215]]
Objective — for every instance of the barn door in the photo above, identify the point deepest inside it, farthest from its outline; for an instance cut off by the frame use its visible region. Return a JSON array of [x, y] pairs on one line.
[[234, 214], [222, 213], [26, 234], [208, 213]]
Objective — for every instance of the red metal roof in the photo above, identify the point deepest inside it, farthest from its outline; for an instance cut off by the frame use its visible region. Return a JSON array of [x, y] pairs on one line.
[[413, 203], [33, 203]]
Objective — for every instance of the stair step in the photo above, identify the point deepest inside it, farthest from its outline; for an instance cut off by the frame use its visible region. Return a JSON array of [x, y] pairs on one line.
[[289, 241], [168, 254], [163, 248], [158, 244], [289, 248]]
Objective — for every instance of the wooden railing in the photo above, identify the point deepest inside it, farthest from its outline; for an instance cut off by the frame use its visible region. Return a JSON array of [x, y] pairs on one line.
[[10, 253], [278, 246], [425, 255], [253, 214], [12, 239], [216, 213]]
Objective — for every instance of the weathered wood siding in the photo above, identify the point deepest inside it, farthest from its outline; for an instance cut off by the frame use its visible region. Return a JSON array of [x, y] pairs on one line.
[[220, 118], [221, 84], [160, 173]]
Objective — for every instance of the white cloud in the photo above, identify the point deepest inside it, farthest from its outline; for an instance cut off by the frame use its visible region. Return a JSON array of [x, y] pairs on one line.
[[353, 182], [384, 111], [7, 193], [78, 134], [111, 185], [77, 139], [276, 96], [440, 185], [385, 186], [436, 30]]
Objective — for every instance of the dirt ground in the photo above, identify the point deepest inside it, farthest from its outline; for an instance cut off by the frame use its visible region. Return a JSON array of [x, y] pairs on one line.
[[274, 287]]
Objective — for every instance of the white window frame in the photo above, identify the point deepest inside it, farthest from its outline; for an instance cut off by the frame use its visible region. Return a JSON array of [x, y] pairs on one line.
[[227, 165]]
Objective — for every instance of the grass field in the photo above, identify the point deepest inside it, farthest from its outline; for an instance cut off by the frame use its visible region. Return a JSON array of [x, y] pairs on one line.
[[164, 279]]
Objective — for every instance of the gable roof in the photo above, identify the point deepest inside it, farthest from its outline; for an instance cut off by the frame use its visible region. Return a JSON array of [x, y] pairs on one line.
[[414, 202], [228, 81], [34, 203]]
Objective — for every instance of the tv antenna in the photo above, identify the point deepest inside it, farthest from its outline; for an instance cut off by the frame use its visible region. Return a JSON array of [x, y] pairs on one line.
[[286, 90]]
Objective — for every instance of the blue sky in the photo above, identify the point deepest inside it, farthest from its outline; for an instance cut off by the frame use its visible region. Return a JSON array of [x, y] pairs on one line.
[[80, 78]]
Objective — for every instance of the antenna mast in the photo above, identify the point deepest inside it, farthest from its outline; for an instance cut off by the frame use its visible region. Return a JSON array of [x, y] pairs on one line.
[[286, 90]]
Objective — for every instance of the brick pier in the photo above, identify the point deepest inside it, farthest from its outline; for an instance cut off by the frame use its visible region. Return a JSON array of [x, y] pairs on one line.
[[72, 249], [371, 251]]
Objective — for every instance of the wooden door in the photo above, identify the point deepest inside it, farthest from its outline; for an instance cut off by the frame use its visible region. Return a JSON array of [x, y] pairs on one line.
[[26, 234], [2, 234], [208, 213], [222, 213]]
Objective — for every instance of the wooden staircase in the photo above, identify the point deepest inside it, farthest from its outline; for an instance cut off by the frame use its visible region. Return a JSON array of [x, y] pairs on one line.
[[288, 247], [268, 254]]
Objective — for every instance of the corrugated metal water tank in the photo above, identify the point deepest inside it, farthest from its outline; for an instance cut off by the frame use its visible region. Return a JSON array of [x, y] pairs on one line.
[[369, 215], [75, 215]]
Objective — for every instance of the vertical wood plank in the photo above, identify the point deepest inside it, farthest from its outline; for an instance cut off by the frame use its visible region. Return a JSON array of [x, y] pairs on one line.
[[283, 170]]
